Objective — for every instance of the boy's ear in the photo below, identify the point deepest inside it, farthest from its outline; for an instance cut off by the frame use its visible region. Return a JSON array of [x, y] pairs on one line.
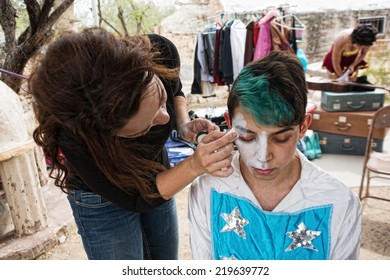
[[305, 125], [227, 120]]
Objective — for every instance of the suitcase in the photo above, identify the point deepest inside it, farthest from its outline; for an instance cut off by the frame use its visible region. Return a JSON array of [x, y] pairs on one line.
[[345, 123], [352, 100], [347, 145]]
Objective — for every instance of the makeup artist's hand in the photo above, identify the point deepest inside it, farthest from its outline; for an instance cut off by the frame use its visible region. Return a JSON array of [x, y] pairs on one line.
[[189, 130], [213, 154]]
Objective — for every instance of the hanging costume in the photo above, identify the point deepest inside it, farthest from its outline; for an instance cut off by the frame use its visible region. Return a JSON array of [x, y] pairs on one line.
[[222, 50], [237, 41], [319, 219]]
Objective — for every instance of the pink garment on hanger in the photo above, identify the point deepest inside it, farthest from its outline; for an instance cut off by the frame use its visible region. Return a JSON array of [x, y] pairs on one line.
[[264, 41]]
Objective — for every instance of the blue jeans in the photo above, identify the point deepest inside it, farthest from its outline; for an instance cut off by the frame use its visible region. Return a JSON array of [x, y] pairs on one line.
[[109, 232]]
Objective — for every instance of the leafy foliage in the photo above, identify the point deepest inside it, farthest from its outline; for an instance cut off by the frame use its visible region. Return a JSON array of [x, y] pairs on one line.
[[22, 21], [130, 17]]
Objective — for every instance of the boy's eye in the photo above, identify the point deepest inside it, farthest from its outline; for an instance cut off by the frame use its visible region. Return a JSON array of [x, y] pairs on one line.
[[249, 139], [283, 140], [246, 138]]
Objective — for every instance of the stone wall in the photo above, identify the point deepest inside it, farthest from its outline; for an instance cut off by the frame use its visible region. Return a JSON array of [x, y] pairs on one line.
[[182, 29], [184, 25]]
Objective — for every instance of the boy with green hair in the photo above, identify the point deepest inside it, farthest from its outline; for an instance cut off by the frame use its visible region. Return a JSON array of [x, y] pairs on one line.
[[276, 204]]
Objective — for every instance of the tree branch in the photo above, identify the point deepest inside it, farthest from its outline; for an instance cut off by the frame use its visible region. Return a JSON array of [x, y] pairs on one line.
[[8, 24], [101, 19], [44, 29], [56, 14], [100, 13], [33, 10], [121, 18], [139, 14], [32, 38], [44, 14], [110, 25], [24, 35]]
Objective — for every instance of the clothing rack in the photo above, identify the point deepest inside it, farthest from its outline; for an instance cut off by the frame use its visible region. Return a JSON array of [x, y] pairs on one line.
[[221, 17], [300, 26], [257, 13], [219, 62]]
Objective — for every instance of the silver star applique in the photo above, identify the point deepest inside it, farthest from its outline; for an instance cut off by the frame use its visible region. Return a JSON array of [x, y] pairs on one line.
[[232, 257], [234, 222], [302, 237]]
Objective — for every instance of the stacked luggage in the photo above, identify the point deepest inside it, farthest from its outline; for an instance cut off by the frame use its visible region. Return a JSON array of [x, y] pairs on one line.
[[343, 120]]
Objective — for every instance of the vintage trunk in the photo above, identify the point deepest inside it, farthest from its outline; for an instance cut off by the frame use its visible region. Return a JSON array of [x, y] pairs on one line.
[[345, 123]]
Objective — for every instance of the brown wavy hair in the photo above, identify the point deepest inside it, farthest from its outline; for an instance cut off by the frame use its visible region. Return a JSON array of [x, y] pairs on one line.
[[92, 83]]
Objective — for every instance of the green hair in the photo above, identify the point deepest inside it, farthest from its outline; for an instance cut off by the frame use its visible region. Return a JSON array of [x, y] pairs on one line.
[[261, 100]]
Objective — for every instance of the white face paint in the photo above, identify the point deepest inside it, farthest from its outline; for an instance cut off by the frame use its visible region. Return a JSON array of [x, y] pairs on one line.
[[254, 152], [262, 153]]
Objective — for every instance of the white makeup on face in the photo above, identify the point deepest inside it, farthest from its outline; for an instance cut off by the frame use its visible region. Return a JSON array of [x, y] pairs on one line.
[[253, 153], [262, 146]]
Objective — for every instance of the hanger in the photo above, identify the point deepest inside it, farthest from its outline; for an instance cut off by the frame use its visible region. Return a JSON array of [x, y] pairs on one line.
[[300, 26], [224, 17], [254, 16], [211, 20]]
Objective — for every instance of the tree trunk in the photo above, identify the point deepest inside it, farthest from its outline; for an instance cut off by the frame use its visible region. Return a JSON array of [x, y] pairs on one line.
[[14, 62], [19, 51]]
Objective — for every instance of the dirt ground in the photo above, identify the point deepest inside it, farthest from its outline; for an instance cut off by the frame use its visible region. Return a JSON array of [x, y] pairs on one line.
[[375, 243], [72, 248]]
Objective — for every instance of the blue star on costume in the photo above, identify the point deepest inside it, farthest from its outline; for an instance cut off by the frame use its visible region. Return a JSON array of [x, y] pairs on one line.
[[269, 235]]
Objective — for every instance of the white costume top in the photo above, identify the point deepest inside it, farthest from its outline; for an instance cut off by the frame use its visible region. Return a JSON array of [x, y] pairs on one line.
[[237, 41], [319, 219]]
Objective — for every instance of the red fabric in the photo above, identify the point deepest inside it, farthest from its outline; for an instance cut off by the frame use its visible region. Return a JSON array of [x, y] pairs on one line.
[[345, 62], [217, 78], [256, 31]]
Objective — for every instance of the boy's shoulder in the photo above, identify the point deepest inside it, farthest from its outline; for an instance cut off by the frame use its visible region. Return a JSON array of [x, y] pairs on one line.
[[317, 182]]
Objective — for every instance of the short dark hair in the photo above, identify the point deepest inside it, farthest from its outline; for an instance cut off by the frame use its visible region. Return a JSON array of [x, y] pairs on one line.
[[364, 35], [273, 90]]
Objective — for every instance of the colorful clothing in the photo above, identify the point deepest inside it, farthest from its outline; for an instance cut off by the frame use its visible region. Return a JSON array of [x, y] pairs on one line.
[[319, 219], [347, 58]]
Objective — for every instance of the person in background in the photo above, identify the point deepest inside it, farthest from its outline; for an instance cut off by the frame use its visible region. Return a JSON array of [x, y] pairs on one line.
[[105, 107], [348, 52], [277, 205]]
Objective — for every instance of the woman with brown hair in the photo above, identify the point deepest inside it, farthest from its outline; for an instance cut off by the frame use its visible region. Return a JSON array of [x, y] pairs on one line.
[[105, 107]]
